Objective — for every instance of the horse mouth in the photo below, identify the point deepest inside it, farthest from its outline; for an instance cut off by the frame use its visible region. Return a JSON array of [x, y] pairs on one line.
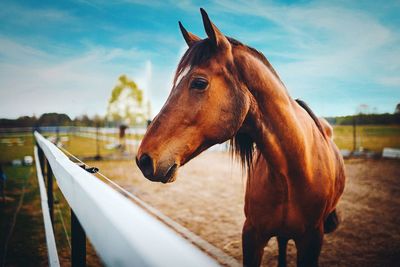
[[171, 174]]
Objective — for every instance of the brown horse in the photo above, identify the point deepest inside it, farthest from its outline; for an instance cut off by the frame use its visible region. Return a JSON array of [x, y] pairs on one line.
[[224, 90]]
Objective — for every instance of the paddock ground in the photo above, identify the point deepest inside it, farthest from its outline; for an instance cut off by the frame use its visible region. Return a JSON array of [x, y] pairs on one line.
[[207, 198]]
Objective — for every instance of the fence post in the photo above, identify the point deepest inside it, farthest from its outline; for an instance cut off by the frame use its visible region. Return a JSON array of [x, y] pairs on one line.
[[97, 157], [78, 240], [354, 133], [50, 198], [41, 158]]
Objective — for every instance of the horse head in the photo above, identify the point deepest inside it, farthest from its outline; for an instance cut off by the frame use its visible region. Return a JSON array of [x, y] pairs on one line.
[[206, 106]]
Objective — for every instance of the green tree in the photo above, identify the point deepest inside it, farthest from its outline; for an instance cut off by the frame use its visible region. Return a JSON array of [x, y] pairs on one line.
[[126, 104], [54, 119]]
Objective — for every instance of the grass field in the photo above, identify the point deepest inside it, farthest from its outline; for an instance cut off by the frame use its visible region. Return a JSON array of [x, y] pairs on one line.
[[17, 146], [371, 137], [22, 241]]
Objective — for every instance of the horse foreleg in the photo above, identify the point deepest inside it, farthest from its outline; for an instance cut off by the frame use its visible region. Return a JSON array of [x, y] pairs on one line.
[[253, 244], [282, 244], [309, 247]]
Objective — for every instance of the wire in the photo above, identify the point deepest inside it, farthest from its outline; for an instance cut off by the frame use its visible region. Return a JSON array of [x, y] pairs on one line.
[[70, 154], [62, 221], [65, 229], [127, 193]]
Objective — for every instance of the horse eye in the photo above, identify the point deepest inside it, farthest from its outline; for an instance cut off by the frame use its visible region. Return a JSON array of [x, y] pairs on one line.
[[199, 84]]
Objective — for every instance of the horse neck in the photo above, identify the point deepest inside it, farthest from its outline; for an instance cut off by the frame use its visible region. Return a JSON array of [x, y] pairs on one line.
[[273, 120]]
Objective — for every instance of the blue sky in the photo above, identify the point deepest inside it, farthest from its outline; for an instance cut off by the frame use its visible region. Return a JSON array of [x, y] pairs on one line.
[[66, 56]]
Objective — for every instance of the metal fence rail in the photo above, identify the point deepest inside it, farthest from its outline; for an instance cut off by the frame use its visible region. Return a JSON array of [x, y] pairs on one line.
[[122, 233]]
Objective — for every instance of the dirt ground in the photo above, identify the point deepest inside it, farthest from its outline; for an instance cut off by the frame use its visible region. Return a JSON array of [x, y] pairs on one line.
[[207, 198]]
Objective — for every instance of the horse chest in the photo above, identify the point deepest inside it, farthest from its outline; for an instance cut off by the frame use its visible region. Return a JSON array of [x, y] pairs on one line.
[[279, 209]]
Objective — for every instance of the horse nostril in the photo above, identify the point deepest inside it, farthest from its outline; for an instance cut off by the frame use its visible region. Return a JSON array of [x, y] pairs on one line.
[[145, 164]]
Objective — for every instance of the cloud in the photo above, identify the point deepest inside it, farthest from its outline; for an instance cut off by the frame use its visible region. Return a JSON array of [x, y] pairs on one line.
[[160, 84], [33, 81], [20, 15], [53, 60], [390, 81], [317, 46], [323, 34], [12, 51]]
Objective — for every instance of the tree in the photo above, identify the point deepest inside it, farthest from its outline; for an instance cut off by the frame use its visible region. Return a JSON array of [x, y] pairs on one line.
[[126, 104], [397, 110], [54, 119]]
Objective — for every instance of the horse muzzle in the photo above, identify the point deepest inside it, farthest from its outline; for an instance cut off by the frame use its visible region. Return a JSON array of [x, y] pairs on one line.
[[161, 172]]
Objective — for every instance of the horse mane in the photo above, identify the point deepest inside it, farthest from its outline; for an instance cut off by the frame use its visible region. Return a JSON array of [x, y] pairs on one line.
[[241, 145], [312, 115]]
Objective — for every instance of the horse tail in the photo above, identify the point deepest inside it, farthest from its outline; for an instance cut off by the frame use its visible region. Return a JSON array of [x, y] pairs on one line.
[[331, 222]]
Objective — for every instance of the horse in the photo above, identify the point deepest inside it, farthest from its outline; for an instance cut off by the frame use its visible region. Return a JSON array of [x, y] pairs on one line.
[[225, 90]]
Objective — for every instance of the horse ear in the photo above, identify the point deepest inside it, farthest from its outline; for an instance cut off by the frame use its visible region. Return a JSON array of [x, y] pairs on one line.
[[190, 38], [212, 31]]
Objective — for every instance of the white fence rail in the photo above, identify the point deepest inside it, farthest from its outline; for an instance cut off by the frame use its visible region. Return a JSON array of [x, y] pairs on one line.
[[122, 233], [48, 226]]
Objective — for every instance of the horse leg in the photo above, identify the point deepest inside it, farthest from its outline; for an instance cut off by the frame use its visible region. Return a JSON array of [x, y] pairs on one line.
[[309, 247], [282, 244], [253, 244]]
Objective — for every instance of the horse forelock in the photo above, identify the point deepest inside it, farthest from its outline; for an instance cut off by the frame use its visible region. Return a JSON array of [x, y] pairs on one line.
[[197, 54]]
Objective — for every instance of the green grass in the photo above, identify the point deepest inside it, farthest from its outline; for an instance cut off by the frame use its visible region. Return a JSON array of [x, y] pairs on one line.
[[371, 137], [84, 147], [10, 149], [27, 245], [17, 146]]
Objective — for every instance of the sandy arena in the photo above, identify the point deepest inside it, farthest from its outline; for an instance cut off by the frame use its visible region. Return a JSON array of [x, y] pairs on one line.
[[207, 198]]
